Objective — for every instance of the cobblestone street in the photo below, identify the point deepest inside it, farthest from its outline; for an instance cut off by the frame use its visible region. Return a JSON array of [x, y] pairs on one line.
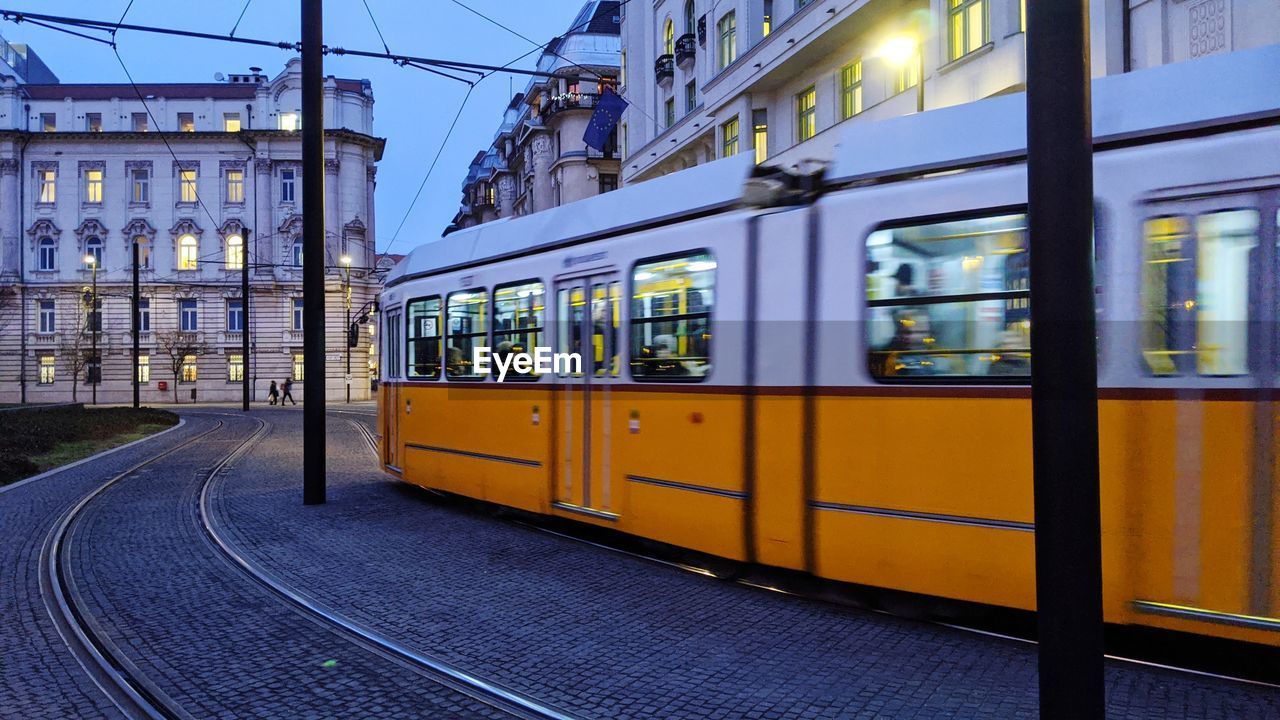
[[577, 627]]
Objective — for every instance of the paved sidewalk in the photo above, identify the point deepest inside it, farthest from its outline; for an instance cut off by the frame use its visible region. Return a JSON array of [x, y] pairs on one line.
[[604, 635]]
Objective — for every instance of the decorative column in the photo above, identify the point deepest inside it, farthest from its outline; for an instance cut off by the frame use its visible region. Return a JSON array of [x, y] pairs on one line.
[[332, 206], [10, 232], [506, 195], [541, 173], [263, 228]]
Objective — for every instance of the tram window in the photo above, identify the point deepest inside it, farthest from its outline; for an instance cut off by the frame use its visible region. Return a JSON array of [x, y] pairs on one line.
[[467, 315], [950, 300], [518, 318], [393, 344], [571, 306], [423, 337], [671, 303], [1196, 280], [604, 328]]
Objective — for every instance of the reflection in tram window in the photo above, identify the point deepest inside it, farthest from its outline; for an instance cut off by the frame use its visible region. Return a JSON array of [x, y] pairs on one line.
[[1196, 293], [424, 338], [671, 302], [571, 307], [518, 317], [604, 328], [467, 330], [950, 299]]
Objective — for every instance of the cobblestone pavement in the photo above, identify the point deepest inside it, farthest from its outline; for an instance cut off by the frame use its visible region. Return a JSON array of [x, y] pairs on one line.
[[610, 636], [39, 678]]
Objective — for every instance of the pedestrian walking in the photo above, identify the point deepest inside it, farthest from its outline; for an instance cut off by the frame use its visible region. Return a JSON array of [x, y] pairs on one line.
[[273, 393], [288, 392]]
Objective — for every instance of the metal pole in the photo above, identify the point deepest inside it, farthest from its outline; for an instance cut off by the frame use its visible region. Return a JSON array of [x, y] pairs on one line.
[[95, 370], [1064, 376], [313, 386], [245, 234], [347, 340], [920, 70], [137, 327]]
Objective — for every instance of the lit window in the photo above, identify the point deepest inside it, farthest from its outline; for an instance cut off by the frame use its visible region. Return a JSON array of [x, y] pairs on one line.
[[423, 338], [144, 251], [671, 301], [48, 254], [290, 121], [48, 369], [188, 315], [186, 122], [235, 316], [949, 299], [93, 122], [968, 23], [668, 38], [806, 114], [729, 138], [141, 178], [297, 314], [231, 122], [235, 368], [235, 186], [518, 318], [726, 41], [1196, 286], [296, 253], [140, 122], [299, 367], [188, 253], [467, 330], [48, 122], [760, 133], [851, 89], [287, 178], [144, 369], [93, 186], [187, 185], [144, 314], [766, 20], [908, 74], [188, 370], [93, 249], [235, 252], [48, 185], [48, 319]]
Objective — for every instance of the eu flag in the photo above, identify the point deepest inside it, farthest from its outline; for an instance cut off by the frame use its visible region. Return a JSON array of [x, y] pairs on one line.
[[608, 112]]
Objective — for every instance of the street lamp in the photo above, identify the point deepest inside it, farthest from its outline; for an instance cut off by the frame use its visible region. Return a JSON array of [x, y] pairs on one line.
[[900, 50], [345, 260], [91, 260]]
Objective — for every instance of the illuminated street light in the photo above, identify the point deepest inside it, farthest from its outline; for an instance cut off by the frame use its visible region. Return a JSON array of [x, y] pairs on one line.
[[900, 50], [345, 260]]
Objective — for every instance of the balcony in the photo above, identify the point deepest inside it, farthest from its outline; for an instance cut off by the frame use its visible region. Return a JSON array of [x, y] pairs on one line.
[[686, 50], [665, 70], [568, 101]]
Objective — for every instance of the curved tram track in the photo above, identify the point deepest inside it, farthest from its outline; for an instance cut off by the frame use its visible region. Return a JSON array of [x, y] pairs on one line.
[[137, 696]]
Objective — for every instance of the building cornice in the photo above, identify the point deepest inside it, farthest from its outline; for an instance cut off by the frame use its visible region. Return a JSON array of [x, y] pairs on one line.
[[376, 143]]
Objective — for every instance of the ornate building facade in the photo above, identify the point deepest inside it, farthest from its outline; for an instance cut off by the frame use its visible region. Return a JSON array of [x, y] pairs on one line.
[[203, 177], [710, 78], [537, 159]]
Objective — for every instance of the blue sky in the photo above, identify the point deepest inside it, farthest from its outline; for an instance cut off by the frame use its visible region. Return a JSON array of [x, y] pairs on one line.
[[413, 108]]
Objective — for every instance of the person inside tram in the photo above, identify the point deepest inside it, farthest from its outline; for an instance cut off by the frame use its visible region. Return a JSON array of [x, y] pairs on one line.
[[665, 360], [1012, 358], [905, 277], [455, 363], [911, 335]]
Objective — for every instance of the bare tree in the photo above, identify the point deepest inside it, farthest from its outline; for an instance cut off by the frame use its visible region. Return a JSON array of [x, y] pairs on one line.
[[178, 346], [8, 305], [76, 354]]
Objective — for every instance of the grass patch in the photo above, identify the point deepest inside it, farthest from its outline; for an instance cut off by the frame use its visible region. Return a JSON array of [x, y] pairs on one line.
[[37, 440]]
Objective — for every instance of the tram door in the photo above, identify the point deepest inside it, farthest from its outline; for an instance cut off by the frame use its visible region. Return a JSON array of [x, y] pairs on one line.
[[587, 315], [390, 409]]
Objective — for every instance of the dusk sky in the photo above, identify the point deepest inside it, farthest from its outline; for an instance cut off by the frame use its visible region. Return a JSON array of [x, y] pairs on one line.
[[413, 108]]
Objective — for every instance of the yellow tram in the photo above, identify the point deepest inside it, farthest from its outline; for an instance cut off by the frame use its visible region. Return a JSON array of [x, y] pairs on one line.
[[839, 384]]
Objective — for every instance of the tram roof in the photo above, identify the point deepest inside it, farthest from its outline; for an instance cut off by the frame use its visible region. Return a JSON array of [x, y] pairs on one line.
[[700, 189], [1189, 95]]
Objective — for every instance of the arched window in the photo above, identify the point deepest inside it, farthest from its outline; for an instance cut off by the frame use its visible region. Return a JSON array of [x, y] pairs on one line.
[[689, 21], [188, 253], [668, 38], [296, 253], [93, 248], [48, 254], [144, 251], [235, 252]]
